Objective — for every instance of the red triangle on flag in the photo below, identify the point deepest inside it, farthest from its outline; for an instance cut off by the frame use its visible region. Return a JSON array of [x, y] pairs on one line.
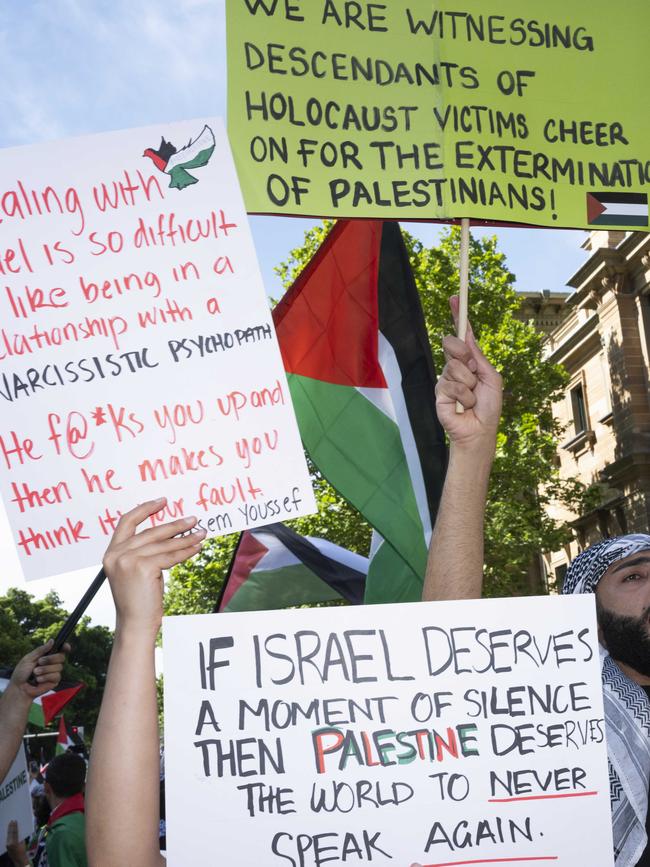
[[53, 702], [594, 208], [249, 553], [328, 321]]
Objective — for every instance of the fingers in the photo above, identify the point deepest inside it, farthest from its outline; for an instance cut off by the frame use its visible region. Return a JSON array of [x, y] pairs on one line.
[[458, 349], [176, 557], [164, 531], [450, 391], [172, 546], [128, 523], [37, 652], [12, 833], [457, 382], [56, 659]]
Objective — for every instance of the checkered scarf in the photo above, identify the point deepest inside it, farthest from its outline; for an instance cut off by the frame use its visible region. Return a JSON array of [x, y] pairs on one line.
[[627, 711]]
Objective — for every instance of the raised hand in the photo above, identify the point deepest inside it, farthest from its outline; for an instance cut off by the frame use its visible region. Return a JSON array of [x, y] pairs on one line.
[[469, 378], [133, 563], [45, 667], [16, 849]]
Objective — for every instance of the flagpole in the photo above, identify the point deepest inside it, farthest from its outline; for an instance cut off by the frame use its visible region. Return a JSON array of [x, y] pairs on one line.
[[463, 293], [69, 626]]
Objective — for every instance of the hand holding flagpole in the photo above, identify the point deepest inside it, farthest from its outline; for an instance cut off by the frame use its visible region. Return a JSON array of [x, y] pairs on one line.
[[464, 287]]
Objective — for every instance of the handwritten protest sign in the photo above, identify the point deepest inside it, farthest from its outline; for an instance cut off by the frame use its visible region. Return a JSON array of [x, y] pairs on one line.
[[436, 732], [15, 801], [137, 353], [418, 110]]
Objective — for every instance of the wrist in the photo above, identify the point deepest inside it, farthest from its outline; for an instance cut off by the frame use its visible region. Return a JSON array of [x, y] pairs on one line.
[[138, 632], [17, 695], [477, 451]]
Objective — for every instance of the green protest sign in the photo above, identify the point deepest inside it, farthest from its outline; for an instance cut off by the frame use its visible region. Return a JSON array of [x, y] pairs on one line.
[[412, 109]]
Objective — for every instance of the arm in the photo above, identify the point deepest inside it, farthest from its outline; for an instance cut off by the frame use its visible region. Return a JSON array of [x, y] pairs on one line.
[[455, 565], [16, 700], [123, 780]]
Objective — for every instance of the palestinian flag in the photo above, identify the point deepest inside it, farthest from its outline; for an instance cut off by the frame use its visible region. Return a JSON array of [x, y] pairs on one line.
[[359, 367], [44, 709], [618, 209], [176, 163], [275, 567], [68, 737]]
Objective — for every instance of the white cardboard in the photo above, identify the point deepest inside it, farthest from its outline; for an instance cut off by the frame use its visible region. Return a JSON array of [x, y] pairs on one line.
[[467, 815], [15, 801], [207, 404]]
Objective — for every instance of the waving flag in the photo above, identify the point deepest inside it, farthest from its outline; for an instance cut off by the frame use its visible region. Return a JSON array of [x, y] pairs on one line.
[[359, 367], [43, 710], [275, 567], [68, 737]]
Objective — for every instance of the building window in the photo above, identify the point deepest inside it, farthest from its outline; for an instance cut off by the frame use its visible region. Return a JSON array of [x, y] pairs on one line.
[[579, 409], [560, 572]]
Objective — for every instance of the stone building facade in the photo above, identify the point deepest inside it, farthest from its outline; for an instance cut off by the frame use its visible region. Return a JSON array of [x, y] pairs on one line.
[[600, 332]]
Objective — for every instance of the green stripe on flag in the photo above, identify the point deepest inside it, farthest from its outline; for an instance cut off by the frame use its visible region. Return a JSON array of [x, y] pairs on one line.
[[391, 578], [281, 588], [35, 715], [359, 451]]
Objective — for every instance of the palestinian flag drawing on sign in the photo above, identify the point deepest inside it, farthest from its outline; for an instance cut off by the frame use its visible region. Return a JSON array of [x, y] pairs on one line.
[[68, 737], [43, 710], [359, 367], [617, 209], [275, 567], [176, 164]]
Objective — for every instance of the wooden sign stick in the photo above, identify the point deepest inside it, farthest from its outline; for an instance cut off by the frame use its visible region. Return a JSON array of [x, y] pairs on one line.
[[463, 293]]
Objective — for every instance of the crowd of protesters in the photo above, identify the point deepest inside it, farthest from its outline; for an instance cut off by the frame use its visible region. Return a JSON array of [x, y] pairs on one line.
[[123, 790]]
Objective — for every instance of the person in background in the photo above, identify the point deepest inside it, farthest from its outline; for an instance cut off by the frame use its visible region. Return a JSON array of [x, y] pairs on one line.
[[36, 787], [65, 843], [15, 701]]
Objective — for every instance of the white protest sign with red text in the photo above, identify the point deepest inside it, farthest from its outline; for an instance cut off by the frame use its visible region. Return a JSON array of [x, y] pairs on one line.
[[137, 354], [446, 733]]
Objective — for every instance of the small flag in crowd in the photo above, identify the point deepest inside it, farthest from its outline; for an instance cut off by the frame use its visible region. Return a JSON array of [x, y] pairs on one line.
[[358, 362], [44, 709], [68, 737], [275, 567]]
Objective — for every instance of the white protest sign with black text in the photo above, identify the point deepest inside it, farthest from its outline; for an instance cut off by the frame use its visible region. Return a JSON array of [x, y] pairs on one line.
[[15, 801], [137, 353], [445, 733]]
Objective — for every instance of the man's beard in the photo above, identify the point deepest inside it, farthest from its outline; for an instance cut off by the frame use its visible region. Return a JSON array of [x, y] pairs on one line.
[[626, 638]]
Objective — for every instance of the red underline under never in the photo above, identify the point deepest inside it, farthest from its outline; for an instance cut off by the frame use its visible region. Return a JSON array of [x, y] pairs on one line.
[[539, 798]]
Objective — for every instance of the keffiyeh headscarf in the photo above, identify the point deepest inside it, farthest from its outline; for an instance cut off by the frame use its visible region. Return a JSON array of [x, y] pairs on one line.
[[627, 711]]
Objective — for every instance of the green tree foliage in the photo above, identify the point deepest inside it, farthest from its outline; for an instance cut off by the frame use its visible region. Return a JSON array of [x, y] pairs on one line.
[[524, 480], [26, 622]]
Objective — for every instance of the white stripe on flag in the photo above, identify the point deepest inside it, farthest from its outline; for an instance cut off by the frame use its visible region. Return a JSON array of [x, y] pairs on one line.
[[391, 402], [623, 209]]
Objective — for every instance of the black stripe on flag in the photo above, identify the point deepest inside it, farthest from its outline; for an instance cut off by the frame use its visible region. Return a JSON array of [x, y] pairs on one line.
[[344, 579], [401, 321], [621, 198]]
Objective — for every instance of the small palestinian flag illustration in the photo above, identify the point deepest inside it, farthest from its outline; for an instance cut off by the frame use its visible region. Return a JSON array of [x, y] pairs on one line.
[[617, 209], [176, 164]]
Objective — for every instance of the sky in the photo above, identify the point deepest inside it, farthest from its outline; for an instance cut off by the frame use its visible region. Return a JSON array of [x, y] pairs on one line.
[[74, 67]]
